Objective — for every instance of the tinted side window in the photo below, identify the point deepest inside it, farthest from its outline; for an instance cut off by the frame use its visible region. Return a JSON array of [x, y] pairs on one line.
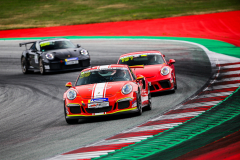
[[33, 47]]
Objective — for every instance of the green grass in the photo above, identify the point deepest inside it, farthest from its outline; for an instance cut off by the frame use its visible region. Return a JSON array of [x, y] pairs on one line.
[[42, 13]]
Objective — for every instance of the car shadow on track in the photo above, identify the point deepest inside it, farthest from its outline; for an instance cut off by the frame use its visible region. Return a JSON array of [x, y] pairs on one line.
[[157, 94]]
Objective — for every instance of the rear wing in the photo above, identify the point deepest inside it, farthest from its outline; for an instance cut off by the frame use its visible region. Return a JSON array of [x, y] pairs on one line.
[[137, 66], [21, 44]]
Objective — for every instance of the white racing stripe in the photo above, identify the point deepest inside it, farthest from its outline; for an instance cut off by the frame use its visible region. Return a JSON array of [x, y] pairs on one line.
[[94, 86], [99, 88]]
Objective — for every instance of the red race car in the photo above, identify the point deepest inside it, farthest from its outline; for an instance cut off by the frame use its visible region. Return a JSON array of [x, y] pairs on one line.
[[104, 90], [156, 69]]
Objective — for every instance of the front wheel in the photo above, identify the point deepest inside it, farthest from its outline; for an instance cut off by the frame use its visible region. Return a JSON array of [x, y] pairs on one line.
[[139, 104], [41, 67]]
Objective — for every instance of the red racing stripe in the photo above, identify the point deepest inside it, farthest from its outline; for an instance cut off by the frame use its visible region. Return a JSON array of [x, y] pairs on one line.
[[195, 109], [137, 134], [208, 99], [226, 82], [166, 121], [228, 64], [99, 148]]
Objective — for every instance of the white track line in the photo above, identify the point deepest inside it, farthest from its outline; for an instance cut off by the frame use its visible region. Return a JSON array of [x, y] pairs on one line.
[[215, 94], [230, 73], [83, 155], [192, 105], [178, 115]]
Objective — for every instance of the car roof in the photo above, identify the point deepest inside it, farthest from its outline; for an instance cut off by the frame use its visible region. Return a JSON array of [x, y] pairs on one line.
[[106, 66], [140, 52], [53, 39]]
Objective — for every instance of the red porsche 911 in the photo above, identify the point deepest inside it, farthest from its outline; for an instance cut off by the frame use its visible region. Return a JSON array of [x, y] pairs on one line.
[[104, 90], [159, 72]]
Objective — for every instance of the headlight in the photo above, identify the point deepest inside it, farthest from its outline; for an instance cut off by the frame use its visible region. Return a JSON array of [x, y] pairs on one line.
[[165, 71], [50, 56], [84, 52], [71, 94], [127, 89]]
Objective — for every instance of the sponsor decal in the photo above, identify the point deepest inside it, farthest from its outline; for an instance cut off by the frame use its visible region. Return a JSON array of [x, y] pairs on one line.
[[71, 59], [130, 57], [97, 100], [133, 102]]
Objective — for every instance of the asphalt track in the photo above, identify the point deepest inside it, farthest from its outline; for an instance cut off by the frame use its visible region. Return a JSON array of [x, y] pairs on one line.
[[32, 121]]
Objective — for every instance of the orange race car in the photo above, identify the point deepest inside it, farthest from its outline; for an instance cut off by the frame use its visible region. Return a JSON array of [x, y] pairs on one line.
[[104, 90], [159, 72]]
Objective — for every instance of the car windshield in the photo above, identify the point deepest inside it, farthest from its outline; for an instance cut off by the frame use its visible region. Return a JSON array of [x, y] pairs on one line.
[[142, 59], [106, 75], [55, 44]]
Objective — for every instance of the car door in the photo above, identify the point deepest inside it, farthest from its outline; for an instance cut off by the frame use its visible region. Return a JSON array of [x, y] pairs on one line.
[[33, 56]]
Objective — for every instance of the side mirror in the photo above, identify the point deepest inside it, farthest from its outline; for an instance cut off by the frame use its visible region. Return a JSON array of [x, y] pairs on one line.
[[171, 61], [78, 46], [33, 50], [69, 84], [139, 77], [163, 55]]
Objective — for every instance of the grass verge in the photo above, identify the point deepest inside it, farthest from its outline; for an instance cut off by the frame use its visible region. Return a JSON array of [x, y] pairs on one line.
[[42, 13]]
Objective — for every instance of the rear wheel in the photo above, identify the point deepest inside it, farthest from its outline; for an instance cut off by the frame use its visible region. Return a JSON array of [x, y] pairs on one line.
[[24, 65], [139, 104], [69, 121], [41, 67]]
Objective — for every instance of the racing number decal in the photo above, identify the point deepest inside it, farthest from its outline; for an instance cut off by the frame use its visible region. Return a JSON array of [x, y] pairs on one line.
[[45, 44], [85, 74], [127, 59]]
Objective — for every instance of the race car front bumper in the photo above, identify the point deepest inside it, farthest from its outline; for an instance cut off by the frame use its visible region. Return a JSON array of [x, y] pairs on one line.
[[81, 110]]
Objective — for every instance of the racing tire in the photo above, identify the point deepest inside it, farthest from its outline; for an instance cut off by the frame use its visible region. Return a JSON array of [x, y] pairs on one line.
[[139, 104], [69, 121], [149, 106], [175, 85], [41, 67], [25, 66]]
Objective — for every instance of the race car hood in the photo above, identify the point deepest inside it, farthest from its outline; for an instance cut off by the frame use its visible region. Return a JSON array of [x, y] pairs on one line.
[[65, 53], [149, 71], [100, 90]]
